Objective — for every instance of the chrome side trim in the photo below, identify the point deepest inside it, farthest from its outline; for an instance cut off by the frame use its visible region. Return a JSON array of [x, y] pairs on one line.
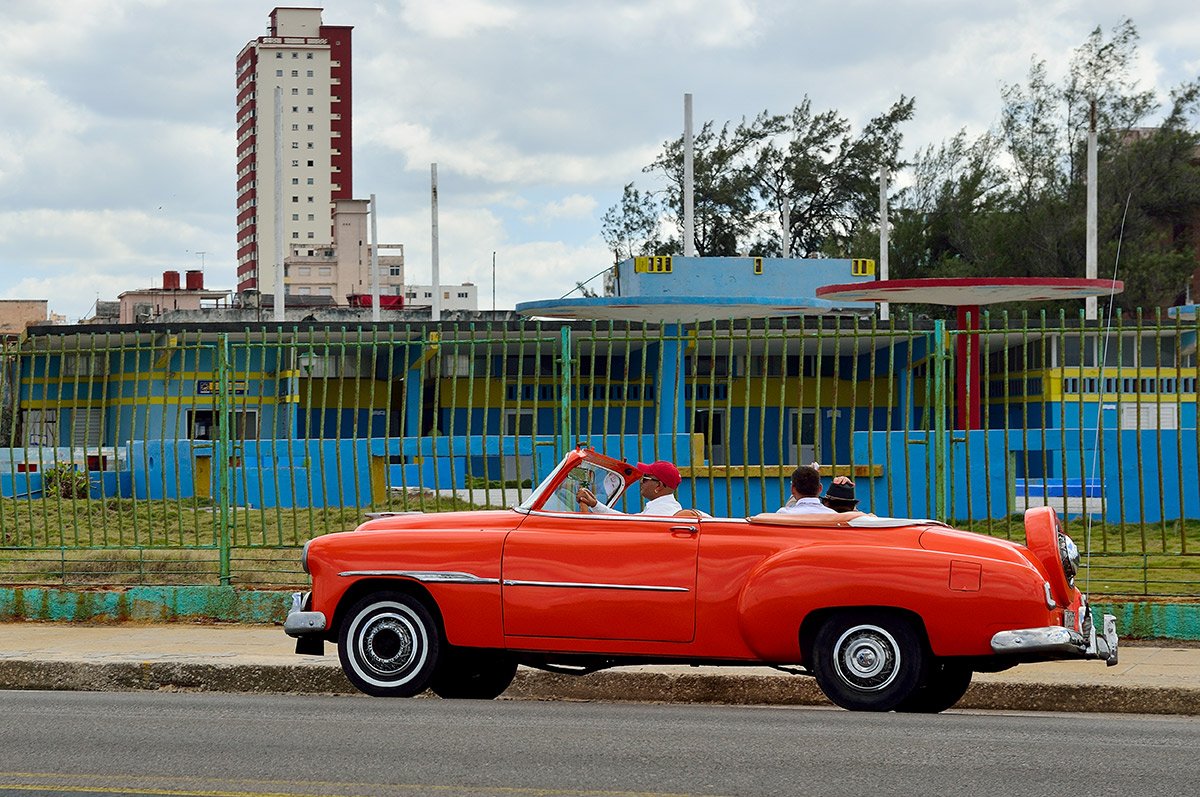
[[586, 585], [1050, 604], [425, 576]]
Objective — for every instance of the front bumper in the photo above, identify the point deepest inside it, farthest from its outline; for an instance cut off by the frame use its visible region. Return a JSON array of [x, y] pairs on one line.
[[307, 627], [1059, 642]]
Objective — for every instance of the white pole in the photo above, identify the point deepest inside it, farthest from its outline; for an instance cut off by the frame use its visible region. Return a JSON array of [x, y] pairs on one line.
[[279, 301], [883, 236], [375, 309], [437, 288], [1092, 224], [689, 222]]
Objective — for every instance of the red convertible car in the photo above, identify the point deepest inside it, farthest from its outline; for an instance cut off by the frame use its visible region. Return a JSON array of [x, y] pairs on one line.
[[887, 614]]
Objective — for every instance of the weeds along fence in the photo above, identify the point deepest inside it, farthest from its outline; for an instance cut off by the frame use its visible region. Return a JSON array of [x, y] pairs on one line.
[[210, 454]]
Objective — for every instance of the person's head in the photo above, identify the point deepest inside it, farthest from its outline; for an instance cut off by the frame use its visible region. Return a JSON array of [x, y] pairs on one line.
[[806, 482], [658, 479], [840, 497]]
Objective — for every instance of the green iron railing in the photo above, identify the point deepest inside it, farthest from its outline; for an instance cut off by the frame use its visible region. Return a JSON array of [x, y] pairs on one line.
[[203, 455]]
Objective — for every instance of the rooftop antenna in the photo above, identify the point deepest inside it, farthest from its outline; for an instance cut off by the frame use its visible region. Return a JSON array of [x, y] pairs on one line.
[[689, 224], [436, 310], [883, 235], [1090, 306]]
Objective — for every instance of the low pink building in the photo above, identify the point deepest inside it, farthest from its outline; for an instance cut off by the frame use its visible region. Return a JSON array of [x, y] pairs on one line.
[[147, 304]]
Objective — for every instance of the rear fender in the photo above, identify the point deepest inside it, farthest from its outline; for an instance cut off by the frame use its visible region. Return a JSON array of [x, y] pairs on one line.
[[785, 590]]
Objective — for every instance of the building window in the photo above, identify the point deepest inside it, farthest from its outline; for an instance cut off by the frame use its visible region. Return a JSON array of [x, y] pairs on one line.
[[295, 91], [295, 199], [279, 55], [295, 217], [310, 56], [310, 181], [462, 295], [310, 163], [311, 217], [297, 128], [310, 91], [295, 163], [310, 145], [312, 235], [310, 109], [304, 271], [295, 181], [310, 127], [278, 73], [310, 73], [295, 55], [295, 235], [295, 145], [295, 73], [310, 199], [325, 271]]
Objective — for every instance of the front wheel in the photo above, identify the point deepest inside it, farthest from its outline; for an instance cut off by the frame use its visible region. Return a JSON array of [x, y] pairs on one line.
[[389, 645], [868, 661], [472, 674]]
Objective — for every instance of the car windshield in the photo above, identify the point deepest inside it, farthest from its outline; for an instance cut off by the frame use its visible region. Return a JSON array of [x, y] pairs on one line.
[[604, 483]]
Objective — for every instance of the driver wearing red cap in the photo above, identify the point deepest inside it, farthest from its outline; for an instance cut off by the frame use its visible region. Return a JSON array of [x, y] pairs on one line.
[[658, 483]]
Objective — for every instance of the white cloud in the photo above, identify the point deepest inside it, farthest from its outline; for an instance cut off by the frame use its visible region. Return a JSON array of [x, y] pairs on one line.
[[117, 147], [456, 18], [575, 206]]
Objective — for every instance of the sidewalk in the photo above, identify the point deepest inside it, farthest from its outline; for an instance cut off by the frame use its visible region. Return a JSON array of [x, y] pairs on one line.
[[1153, 679]]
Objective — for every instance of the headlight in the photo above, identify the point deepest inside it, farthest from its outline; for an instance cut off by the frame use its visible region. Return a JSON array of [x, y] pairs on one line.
[[304, 557], [1068, 552]]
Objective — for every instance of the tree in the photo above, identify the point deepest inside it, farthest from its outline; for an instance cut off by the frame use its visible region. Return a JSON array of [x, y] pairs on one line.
[[631, 227]]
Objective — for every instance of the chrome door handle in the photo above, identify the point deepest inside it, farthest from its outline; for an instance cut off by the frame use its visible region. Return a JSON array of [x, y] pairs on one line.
[[683, 529]]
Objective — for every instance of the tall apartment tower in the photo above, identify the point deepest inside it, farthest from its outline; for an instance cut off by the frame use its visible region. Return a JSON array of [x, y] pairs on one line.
[[310, 61]]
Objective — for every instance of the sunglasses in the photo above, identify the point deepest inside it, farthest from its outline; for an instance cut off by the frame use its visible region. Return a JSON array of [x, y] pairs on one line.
[[651, 479]]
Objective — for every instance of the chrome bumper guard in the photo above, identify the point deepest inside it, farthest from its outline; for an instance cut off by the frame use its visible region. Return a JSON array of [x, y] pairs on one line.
[[301, 623], [1060, 642]]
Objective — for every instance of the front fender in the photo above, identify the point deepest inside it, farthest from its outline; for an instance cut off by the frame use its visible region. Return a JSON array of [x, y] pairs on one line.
[[959, 615]]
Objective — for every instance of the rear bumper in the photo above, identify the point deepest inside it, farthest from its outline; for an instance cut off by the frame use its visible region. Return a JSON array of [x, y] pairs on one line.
[[1058, 642]]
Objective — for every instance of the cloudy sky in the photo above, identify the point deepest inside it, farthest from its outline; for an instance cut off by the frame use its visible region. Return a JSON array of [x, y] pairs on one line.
[[117, 130]]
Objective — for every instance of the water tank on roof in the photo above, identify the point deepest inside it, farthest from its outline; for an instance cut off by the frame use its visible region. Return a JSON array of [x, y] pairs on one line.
[[195, 280], [170, 280]]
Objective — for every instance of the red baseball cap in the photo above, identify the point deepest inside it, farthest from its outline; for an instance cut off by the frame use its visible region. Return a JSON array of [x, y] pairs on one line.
[[662, 470]]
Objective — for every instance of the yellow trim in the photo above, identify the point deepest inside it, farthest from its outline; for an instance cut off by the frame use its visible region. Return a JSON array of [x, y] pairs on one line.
[[775, 471], [187, 402]]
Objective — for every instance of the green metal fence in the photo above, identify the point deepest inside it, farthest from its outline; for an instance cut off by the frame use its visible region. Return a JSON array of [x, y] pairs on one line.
[[210, 454]]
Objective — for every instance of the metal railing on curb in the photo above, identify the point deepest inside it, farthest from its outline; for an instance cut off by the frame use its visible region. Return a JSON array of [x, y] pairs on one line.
[[210, 455]]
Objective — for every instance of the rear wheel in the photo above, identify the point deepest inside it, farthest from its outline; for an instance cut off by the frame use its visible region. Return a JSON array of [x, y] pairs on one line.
[[868, 660], [473, 674], [944, 685], [389, 645]]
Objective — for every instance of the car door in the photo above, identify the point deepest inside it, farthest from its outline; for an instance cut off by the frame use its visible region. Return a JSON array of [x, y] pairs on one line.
[[613, 577]]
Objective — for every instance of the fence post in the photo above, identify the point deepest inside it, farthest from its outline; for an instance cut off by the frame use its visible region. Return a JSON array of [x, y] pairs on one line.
[[940, 449], [564, 419], [223, 452]]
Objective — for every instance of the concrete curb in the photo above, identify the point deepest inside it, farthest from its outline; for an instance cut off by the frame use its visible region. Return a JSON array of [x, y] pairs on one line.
[[611, 686]]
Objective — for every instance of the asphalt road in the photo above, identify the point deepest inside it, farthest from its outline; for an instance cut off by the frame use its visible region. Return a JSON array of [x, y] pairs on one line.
[[81, 743]]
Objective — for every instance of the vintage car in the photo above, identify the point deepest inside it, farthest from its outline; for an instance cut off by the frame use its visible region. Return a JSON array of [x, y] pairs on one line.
[[887, 614]]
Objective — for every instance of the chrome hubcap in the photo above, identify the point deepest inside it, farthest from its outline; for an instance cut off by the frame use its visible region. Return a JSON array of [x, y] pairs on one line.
[[867, 658]]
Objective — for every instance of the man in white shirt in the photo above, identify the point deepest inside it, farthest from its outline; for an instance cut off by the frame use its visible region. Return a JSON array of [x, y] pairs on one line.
[[806, 491], [658, 484]]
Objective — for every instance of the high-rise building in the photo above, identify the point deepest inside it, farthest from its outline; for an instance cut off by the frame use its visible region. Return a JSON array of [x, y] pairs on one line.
[[310, 62]]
